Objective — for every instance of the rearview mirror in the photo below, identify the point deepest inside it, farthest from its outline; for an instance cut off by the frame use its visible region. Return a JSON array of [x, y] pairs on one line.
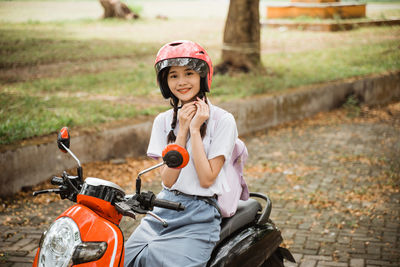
[[63, 139], [175, 156]]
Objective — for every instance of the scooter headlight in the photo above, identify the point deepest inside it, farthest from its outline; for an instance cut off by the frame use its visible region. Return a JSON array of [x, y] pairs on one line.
[[59, 243]]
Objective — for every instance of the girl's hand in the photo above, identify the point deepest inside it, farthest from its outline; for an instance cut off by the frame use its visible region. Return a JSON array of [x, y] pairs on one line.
[[202, 114], [185, 115]]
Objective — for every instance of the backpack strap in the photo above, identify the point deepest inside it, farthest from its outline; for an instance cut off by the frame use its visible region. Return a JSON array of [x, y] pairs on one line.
[[239, 153]]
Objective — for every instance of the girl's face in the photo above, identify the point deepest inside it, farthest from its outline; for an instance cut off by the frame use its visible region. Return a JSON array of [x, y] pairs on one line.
[[184, 83]]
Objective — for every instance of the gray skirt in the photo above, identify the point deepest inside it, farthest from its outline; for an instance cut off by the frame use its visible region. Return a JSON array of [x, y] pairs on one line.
[[187, 241]]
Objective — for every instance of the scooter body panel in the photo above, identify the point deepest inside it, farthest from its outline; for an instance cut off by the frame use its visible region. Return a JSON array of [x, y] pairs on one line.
[[94, 228], [250, 246]]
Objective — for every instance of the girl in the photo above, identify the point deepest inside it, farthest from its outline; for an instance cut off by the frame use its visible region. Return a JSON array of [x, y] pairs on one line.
[[184, 74]]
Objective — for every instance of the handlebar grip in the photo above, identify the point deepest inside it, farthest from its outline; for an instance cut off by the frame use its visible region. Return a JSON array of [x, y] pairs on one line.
[[57, 181], [166, 204]]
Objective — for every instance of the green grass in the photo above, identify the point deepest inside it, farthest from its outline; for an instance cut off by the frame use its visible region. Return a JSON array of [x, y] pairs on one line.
[[30, 44], [288, 70], [24, 116], [126, 82], [87, 72], [34, 108]]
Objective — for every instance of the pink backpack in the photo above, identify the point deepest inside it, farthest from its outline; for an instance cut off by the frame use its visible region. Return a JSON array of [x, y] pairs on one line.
[[228, 201]]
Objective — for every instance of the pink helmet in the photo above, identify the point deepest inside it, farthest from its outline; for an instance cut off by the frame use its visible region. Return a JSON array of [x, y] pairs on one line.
[[183, 53]]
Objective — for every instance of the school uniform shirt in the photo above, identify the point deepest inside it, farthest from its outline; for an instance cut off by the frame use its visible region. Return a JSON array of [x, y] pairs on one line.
[[219, 140]]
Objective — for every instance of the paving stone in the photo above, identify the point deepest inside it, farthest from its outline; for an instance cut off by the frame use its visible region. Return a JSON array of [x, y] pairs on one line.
[[16, 253], [5, 244], [310, 251], [34, 236], [308, 263], [357, 262], [371, 249], [391, 225], [390, 257], [288, 233], [389, 237], [32, 254], [318, 257], [332, 263], [290, 264], [363, 238], [297, 257], [22, 264], [14, 238], [31, 246], [312, 245], [382, 263], [372, 256], [20, 259], [20, 243], [344, 239]]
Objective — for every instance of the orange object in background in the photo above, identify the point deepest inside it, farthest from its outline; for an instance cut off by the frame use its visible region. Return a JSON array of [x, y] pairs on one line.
[[314, 1], [326, 11]]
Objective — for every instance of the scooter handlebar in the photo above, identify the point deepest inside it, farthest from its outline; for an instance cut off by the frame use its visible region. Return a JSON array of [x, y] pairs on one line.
[[168, 205]]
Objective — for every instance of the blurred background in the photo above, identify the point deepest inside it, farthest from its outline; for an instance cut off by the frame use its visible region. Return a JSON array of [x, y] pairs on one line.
[[62, 63]]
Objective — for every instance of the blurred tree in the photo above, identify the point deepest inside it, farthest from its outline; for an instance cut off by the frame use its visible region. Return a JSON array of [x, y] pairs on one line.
[[117, 9], [241, 47]]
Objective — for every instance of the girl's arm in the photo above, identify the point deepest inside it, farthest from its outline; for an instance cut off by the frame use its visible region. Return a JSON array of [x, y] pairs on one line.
[[207, 170], [169, 175]]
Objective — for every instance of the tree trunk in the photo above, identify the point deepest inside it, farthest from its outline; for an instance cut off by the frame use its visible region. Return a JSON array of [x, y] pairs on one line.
[[241, 48], [117, 9]]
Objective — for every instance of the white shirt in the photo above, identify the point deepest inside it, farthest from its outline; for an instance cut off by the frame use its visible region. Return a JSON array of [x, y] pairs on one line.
[[219, 140]]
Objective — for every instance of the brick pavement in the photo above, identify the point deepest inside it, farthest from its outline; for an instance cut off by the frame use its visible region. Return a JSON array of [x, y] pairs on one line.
[[334, 187]]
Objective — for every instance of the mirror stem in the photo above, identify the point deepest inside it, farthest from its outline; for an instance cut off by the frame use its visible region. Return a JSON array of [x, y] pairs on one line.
[[79, 172], [72, 154], [138, 181]]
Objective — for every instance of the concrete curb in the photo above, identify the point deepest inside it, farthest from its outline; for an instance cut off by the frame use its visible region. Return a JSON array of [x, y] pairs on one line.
[[30, 165], [261, 112]]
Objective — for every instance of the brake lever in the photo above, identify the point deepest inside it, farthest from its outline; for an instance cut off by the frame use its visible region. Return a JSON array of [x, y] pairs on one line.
[[164, 223], [123, 208], [53, 190]]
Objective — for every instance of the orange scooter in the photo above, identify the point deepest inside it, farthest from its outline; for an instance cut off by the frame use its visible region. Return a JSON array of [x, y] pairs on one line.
[[87, 234]]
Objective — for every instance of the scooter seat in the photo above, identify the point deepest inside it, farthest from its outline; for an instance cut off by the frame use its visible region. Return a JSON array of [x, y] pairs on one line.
[[245, 214]]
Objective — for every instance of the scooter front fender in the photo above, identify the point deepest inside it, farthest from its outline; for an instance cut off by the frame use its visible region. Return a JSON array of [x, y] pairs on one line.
[[94, 228], [249, 247]]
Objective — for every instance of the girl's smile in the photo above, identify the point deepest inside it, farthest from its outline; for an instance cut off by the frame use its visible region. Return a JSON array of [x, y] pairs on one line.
[[183, 90], [184, 83]]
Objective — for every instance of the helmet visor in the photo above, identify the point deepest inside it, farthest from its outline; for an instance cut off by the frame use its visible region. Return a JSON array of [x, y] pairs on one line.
[[195, 64]]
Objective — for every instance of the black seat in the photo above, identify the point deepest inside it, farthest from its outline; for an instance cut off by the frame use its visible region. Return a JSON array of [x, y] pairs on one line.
[[245, 214]]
